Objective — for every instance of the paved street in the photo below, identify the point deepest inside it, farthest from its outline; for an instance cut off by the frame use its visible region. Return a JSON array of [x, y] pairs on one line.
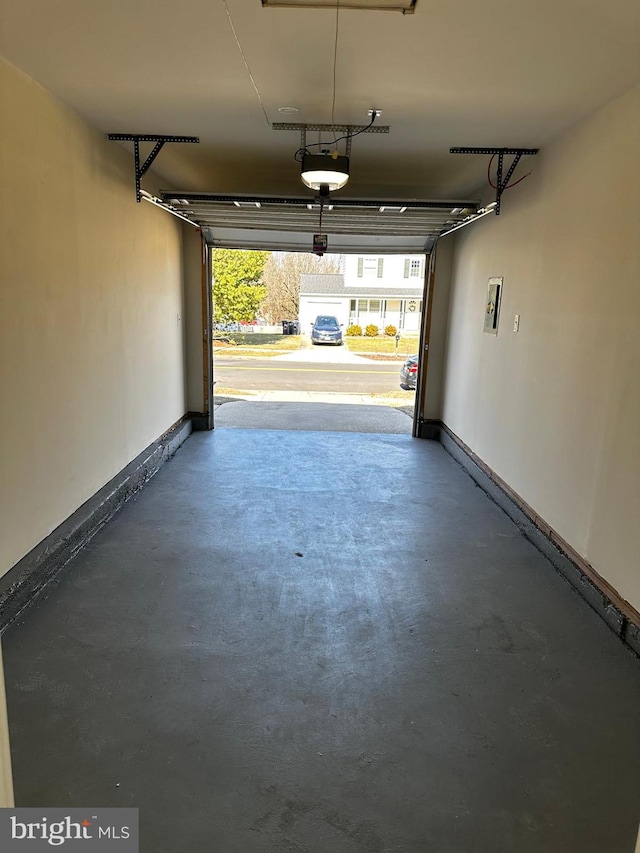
[[353, 377]]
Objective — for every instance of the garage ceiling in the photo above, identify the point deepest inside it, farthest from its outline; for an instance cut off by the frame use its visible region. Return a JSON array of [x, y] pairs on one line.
[[453, 73]]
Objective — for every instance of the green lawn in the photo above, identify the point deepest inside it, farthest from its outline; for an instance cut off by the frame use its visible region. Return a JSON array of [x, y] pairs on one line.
[[384, 344], [271, 343]]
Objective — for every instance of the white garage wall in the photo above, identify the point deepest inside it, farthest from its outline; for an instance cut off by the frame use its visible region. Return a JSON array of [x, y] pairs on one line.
[[555, 409], [91, 348]]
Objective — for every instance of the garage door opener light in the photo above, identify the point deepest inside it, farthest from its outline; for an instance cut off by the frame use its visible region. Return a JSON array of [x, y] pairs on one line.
[[325, 172], [326, 169]]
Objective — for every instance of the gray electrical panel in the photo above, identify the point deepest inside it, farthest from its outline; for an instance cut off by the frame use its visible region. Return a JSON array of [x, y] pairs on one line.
[[492, 307]]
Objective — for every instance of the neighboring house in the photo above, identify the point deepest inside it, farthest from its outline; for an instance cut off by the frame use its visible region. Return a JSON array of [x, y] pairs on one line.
[[381, 290]]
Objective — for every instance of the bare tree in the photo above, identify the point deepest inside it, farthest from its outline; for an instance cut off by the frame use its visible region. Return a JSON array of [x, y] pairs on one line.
[[281, 277]]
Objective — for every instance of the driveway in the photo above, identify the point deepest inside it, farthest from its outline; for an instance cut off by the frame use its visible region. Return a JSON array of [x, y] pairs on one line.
[[322, 354]]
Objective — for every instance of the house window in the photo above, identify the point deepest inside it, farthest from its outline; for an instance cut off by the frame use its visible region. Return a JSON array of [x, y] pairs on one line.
[[413, 268], [392, 311], [370, 267], [369, 306]]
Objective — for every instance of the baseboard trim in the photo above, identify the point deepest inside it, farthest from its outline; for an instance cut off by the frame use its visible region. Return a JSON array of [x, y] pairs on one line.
[[20, 586], [619, 615]]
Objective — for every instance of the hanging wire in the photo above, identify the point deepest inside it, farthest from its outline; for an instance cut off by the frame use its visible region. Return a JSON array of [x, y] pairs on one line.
[[302, 151], [335, 65], [246, 64]]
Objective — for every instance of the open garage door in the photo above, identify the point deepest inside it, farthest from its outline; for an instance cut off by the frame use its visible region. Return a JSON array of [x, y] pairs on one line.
[[351, 225]]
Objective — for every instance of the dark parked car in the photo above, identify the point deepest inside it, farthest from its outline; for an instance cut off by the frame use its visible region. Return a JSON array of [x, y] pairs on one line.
[[326, 330], [408, 373]]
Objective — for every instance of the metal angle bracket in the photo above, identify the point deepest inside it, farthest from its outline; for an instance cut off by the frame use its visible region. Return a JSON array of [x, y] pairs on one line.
[[501, 183], [137, 138], [330, 128], [349, 130]]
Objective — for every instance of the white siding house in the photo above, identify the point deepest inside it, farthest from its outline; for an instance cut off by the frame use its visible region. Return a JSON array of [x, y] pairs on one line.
[[381, 290]]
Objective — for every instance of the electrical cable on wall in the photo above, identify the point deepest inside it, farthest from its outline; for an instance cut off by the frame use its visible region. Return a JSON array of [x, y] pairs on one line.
[[495, 186]]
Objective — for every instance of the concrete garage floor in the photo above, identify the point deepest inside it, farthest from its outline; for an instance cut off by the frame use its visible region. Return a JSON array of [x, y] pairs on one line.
[[320, 642], [332, 417]]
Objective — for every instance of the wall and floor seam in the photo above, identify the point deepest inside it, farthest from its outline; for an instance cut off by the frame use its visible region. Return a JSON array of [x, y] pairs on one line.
[[615, 611], [24, 582]]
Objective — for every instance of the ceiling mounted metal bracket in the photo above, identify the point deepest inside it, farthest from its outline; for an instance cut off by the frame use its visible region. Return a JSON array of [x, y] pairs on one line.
[[331, 128], [137, 138], [349, 130], [407, 7], [501, 183]]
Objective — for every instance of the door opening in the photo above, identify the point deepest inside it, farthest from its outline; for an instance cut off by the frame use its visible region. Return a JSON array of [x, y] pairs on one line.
[[337, 331]]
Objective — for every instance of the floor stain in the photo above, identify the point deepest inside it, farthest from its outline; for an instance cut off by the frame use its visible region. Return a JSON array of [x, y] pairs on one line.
[[259, 824], [293, 810], [495, 630], [362, 833]]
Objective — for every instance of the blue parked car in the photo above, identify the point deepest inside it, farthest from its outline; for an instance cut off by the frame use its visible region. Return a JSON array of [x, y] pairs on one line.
[[326, 330]]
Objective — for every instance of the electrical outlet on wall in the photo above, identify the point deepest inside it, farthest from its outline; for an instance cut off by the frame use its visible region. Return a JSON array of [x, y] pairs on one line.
[[516, 322]]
